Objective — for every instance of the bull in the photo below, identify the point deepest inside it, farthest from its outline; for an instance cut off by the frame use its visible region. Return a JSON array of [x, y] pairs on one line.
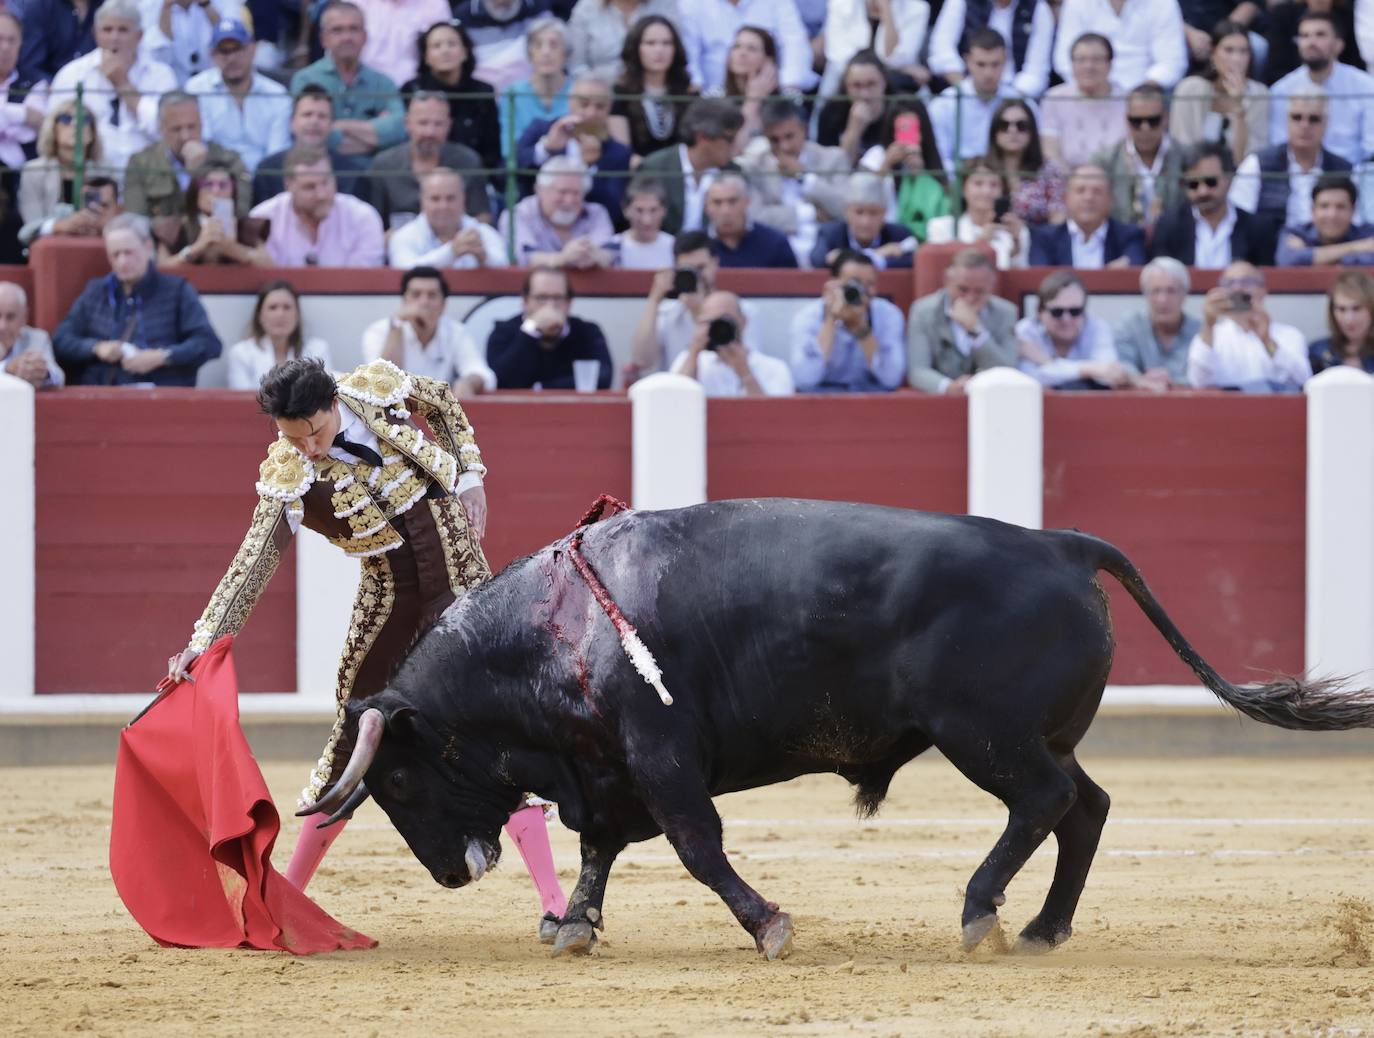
[[797, 637]]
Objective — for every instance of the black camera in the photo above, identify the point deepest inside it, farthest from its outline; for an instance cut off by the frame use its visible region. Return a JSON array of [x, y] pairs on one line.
[[854, 292], [685, 282], [722, 331]]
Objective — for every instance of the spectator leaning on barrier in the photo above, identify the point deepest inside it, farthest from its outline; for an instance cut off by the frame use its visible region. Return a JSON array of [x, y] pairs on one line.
[[443, 235], [1207, 230], [912, 171], [25, 352], [1064, 346], [722, 358], [582, 134], [157, 177], [1153, 340], [1350, 115], [1350, 319], [669, 320], [1085, 115], [208, 232], [1146, 38], [962, 329], [1089, 239], [178, 33], [536, 348], [241, 110], [557, 226], [1144, 168], [121, 87], [708, 27], [962, 115], [135, 325], [312, 225], [982, 187], [1332, 238], [850, 339], [863, 228], [22, 116], [645, 245], [421, 340], [1026, 27], [393, 185], [312, 124], [737, 240], [368, 114], [46, 183], [708, 129], [794, 184], [446, 63], [598, 28], [56, 33], [1239, 346], [1276, 184], [278, 335], [1225, 103]]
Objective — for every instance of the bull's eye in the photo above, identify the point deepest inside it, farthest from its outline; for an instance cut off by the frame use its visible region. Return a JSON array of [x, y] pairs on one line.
[[399, 782]]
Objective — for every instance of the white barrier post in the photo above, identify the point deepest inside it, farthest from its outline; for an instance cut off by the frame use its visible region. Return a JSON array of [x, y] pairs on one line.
[[17, 641], [1340, 524], [668, 430], [326, 583], [1006, 447]]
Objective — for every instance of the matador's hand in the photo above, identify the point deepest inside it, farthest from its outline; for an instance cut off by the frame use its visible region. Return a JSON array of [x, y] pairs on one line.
[[475, 505]]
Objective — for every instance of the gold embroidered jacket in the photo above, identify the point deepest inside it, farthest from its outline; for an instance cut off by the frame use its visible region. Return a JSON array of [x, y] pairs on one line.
[[352, 505]]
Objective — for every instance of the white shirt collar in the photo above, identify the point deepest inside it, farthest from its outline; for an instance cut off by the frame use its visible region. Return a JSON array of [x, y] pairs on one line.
[[1098, 236]]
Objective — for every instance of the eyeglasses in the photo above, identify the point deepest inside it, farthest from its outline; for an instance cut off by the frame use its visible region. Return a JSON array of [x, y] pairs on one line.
[[1311, 119], [1241, 282], [1139, 122], [1017, 125], [547, 300], [1193, 183], [1060, 312]]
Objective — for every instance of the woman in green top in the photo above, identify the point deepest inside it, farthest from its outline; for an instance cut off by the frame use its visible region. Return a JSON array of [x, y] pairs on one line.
[[909, 162]]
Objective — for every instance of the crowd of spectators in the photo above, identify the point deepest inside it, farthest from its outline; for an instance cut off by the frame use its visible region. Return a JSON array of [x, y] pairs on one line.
[[686, 136]]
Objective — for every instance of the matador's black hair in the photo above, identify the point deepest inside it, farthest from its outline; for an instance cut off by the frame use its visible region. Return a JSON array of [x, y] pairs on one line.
[[297, 389]]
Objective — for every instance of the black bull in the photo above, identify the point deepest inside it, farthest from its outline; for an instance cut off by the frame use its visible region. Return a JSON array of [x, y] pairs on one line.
[[796, 637]]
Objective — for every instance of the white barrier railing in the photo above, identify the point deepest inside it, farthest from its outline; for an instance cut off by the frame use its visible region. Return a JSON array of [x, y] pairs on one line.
[[17, 642]]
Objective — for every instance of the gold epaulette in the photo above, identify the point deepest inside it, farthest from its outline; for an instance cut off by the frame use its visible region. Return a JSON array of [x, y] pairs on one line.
[[285, 474], [379, 382]]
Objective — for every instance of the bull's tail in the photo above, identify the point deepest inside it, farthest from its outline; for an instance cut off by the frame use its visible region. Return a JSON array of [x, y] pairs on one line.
[[1288, 702]]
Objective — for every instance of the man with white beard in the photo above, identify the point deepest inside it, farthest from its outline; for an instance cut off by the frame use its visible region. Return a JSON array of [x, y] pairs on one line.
[[557, 226]]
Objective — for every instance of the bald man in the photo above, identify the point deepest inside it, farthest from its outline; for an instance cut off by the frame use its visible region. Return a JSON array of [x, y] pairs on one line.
[[25, 352], [1239, 346]]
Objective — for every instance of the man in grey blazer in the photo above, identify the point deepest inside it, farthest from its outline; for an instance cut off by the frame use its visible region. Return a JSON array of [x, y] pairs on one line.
[[962, 329]]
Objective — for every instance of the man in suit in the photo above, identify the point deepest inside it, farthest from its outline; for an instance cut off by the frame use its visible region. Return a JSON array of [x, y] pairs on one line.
[[708, 130], [962, 329], [1089, 239], [1144, 167], [582, 134], [863, 228], [795, 184], [1207, 231], [157, 177]]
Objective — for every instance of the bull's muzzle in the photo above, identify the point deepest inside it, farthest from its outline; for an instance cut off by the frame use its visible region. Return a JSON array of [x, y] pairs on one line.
[[476, 861]]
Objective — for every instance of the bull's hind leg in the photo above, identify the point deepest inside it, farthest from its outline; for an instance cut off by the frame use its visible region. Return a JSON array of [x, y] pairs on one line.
[[1037, 793], [1077, 834]]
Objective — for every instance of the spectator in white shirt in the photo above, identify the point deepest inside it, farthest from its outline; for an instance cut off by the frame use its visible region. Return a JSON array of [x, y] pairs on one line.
[[1064, 346], [22, 115], [1026, 26], [962, 114], [241, 110], [178, 32], [443, 235], [709, 26], [894, 30], [121, 87], [721, 358], [278, 336], [1240, 346], [645, 245], [1147, 36], [1350, 114], [420, 339], [669, 320]]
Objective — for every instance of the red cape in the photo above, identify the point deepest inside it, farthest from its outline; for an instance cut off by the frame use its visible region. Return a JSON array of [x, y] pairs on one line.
[[193, 828]]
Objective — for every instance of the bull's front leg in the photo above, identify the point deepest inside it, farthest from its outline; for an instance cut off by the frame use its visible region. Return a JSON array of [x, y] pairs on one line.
[[577, 932]]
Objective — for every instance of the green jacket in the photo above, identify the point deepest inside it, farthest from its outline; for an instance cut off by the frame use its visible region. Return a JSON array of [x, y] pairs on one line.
[[151, 188], [1126, 207]]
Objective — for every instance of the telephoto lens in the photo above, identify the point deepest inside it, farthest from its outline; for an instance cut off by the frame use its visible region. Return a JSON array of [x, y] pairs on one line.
[[853, 292], [721, 332], [684, 281]]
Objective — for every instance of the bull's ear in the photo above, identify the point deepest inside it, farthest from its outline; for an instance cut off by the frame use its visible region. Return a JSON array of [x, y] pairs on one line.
[[400, 721]]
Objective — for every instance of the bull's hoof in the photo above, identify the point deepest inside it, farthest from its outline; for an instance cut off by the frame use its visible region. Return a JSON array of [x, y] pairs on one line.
[[1038, 937], [574, 938], [548, 928], [775, 940], [976, 932]]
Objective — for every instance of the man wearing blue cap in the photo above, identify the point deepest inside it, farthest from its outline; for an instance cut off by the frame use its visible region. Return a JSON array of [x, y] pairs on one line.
[[178, 32], [240, 109]]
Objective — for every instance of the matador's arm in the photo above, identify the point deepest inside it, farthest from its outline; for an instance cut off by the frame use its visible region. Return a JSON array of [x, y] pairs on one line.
[[434, 401]]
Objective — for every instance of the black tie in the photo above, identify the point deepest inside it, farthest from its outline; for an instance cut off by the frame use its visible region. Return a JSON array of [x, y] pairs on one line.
[[360, 452]]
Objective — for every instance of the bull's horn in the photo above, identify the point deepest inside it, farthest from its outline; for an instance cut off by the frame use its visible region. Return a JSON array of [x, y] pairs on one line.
[[355, 800], [475, 860], [370, 728]]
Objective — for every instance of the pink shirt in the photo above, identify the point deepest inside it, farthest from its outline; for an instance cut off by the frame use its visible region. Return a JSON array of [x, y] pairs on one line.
[[392, 28], [350, 236]]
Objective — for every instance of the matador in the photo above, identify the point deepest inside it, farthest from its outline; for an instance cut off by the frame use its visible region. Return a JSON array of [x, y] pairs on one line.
[[351, 463]]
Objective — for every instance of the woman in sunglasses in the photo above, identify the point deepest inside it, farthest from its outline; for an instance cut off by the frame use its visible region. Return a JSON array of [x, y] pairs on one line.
[[1035, 184], [46, 184], [1065, 347], [1223, 103]]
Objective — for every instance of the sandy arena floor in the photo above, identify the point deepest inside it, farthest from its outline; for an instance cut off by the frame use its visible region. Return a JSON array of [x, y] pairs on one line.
[[1229, 897]]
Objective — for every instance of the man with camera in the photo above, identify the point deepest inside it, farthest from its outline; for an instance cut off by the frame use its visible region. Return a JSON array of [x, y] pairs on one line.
[[1239, 346], [720, 358], [669, 322], [849, 340]]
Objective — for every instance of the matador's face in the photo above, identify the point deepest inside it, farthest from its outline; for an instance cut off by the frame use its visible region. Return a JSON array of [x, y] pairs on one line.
[[312, 436]]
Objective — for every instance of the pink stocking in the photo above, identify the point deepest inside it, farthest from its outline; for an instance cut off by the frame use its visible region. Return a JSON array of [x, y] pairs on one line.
[[531, 837], [311, 847]]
